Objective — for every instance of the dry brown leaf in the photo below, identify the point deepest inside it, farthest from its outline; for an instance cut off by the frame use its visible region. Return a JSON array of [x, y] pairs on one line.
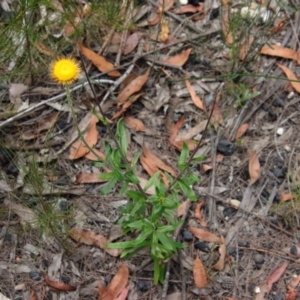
[[173, 133], [246, 44], [221, 262], [91, 138], [198, 214], [295, 282], [291, 293], [148, 165], [131, 43], [200, 277], [89, 237], [286, 197], [127, 80], [278, 25], [291, 76], [276, 275], [116, 286], [189, 8], [197, 101], [59, 286], [154, 19], [123, 294], [165, 5], [179, 59], [206, 167], [204, 235], [133, 87], [278, 51], [135, 124], [157, 161], [126, 105], [216, 117], [241, 130], [94, 156], [88, 178], [225, 22], [33, 297], [99, 61], [182, 208], [143, 183], [164, 31], [254, 167], [43, 49]]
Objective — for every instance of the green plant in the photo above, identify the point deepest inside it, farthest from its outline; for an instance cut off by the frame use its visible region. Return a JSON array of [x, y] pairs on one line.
[[151, 218], [242, 94]]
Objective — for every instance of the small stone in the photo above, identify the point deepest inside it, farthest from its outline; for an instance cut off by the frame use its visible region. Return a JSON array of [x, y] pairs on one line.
[[101, 129], [65, 279], [287, 148], [278, 102], [279, 173], [35, 276], [290, 95], [265, 107], [280, 131], [235, 253], [202, 246], [228, 212], [226, 148], [294, 250], [142, 286], [278, 297], [257, 290], [12, 170], [235, 202], [187, 236], [259, 259], [243, 244], [272, 117]]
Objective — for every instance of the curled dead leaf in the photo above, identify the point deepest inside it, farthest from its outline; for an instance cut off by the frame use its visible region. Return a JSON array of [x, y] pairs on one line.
[[179, 59], [241, 130], [59, 286], [189, 8], [88, 178], [286, 197], [197, 101], [199, 215], [254, 167], [99, 61], [204, 235], [291, 76], [135, 124], [200, 277], [133, 87], [116, 286], [276, 275], [220, 265], [278, 51], [89, 237]]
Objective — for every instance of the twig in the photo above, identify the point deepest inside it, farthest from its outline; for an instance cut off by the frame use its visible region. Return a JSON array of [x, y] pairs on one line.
[[176, 233], [57, 97]]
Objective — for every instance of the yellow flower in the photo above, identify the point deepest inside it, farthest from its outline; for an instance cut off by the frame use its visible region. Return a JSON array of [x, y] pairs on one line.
[[65, 70]]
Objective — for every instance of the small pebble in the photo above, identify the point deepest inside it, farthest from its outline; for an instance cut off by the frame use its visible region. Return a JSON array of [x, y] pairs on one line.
[[278, 102], [226, 148], [243, 244], [12, 170], [259, 259], [280, 131], [287, 148], [290, 95], [278, 297], [294, 250], [187, 236], [65, 279], [235, 202], [235, 253], [228, 212], [35, 276], [272, 117], [202, 246], [142, 286]]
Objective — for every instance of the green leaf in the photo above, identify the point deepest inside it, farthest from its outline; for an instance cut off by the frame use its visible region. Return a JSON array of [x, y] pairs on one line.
[[131, 177], [107, 176], [187, 190], [199, 158], [124, 188], [152, 181], [118, 175], [107, 149], [183, 155], [122, 135], [166, 241], [129, 252], [135, 195], [108, 186], [136, 157], [169, 228]]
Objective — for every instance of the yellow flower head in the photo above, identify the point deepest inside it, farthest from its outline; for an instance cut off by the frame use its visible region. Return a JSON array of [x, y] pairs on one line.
[[65, 70]]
